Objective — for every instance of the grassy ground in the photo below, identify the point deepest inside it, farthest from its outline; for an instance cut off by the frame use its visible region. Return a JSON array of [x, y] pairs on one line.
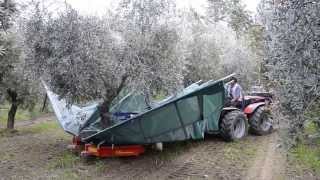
[[307, 157], [39, 151], [304, 159], [22, 114]]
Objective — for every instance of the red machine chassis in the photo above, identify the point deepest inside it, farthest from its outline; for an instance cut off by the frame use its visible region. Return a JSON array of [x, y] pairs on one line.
[[87, 150]]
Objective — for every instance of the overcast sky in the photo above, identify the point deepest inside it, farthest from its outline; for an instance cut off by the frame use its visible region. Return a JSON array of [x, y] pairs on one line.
[[99, 6]]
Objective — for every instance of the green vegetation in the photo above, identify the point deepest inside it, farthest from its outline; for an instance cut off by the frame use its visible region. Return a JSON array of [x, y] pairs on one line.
[[22, 114], [159, 96], [37, 128], [307, 152], [41, 127], [66, 160], [68, 163], [70, 175], [311, 128], [307, 156], [236, 150]]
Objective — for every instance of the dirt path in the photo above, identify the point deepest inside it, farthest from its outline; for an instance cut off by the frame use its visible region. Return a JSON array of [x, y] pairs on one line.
[[269, 163]]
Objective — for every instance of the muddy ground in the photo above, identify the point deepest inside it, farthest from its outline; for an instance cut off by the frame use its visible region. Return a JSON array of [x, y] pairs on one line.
[[38, 150]]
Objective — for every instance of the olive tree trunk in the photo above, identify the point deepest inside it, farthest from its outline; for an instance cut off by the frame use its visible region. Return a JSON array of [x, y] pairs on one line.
[[105, 114], [111, 94], [14, 106]]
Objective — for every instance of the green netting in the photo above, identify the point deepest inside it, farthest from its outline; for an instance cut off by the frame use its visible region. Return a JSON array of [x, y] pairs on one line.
[[212, 108], [187, 116], [189, 109], [132, 102]]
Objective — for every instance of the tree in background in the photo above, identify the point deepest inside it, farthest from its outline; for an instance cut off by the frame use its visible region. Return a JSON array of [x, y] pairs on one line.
[[232, 12], [16, 86], [148, 29], [292, 43], [221, 42], [7, 10], [200, 50]]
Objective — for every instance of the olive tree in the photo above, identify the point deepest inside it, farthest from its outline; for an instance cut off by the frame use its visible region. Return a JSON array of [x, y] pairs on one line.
[[292, 40], [16, 85], [87, 58]]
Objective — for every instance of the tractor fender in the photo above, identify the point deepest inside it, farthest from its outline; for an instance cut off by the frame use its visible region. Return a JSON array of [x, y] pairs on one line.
[[252, 107], [229, 108], [226, 110]]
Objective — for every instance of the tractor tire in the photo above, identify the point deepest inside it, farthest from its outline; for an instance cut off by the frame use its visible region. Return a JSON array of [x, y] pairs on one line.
[[234, 125], [260, 122]]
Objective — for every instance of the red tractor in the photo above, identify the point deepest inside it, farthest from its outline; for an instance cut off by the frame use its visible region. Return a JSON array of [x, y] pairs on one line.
[[254, 115]]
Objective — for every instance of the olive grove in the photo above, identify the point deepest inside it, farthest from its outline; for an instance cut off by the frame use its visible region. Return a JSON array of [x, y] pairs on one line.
[[150, 46], [144, 45]]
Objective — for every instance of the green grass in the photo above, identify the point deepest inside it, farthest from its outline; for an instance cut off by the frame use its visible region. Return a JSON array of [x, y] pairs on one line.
[[66, 164], [41, 127], [310, 128], [307, 152], [307, 156], [65, 161], [20, 115], [160, 95], [236, 150], [70, 175]]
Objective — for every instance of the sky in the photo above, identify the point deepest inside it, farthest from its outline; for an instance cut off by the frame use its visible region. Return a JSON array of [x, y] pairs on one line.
[[97, 7], [251, 5]]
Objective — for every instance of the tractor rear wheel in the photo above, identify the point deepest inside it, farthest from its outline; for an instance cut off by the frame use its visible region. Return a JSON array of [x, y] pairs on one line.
[[260, 122], [234, 125]]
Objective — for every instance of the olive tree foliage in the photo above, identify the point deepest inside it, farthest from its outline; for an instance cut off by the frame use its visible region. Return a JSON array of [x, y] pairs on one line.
[[200, 50], [239, 57], [292, 43], [148, 29], [7, 10], [86, 58], [214, 49], [16, 86], [232, 12]]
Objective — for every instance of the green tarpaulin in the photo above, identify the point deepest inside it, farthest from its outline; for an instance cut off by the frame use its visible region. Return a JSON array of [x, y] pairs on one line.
[[188, 115]]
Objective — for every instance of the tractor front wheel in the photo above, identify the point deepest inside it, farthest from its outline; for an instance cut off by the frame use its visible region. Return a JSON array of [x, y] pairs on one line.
[[233, 125], [260, 122]]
